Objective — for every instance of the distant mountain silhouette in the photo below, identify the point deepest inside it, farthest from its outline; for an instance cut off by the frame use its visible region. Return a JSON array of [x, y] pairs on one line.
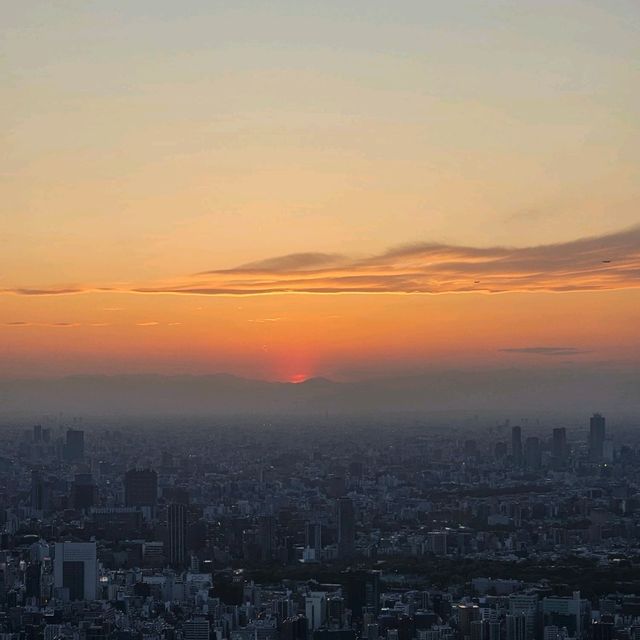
[[535, 391]]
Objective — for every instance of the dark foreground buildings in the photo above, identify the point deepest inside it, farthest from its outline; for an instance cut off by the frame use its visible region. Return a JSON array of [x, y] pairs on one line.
[[402, 530]]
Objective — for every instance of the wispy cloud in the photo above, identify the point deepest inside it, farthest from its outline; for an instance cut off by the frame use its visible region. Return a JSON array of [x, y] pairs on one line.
[[21, 323], [547, 351], [45, 291], [290, 262], [597, 263]]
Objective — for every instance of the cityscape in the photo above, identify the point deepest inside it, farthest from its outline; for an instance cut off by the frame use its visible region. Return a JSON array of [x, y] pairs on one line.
[[320, 530], [320, 320]]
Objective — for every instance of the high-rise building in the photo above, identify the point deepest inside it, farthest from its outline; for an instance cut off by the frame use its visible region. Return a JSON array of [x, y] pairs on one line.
[[76, 569], [41, 492], [596, 437], [295, 628], [140, 488], [599, 630], [83, 491], [361, 590], [559, 449], [525, 604], [572, 613], [532, 453], [313, 538], [346, 528], [32, 579], [500, 451], [267, 537], [467, 613], [177, 534], [516, 446], [516, 626], [196, 629], [335, 611], [479, 630], [438, 542], [315, 609], [74, 447]]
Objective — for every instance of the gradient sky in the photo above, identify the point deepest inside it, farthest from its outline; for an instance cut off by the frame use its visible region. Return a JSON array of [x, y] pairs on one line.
[[427, 170]]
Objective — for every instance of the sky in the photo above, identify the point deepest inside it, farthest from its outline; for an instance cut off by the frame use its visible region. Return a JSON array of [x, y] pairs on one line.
[[284, 190]]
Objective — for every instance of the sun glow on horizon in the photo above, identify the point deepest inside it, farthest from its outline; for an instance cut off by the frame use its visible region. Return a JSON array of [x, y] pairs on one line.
[[298, 378]]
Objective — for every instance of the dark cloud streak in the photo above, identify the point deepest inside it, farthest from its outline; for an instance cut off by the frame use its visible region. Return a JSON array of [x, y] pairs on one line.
[[546, 351], [597, 263]]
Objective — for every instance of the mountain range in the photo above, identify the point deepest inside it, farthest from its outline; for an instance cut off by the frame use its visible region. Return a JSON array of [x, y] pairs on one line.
[[537, 391]]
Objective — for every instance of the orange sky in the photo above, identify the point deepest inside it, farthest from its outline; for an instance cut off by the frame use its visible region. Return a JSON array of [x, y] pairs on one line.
[[450, 185], [301, 335]]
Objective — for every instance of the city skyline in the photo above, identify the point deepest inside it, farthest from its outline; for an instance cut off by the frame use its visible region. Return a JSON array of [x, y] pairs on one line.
[[319, 320]]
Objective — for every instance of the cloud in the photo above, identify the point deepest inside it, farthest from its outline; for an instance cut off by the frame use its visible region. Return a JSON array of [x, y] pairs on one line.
[[21, 323], [265, 320], [547, 351], [589, 264], [289, 262], [53, 291]]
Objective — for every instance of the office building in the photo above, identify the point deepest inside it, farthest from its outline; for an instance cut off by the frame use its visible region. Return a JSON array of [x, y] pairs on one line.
[[559, 449], [83, 492], [33, 576], [76, 569], [527, 605], [41, 492], [140, 488], [346, 528], [532, 453], [516, 446], [267, 537], [467, 613], [74, 446], [596, 437], [316, 609], [313, 540], [295, 628], [177, 534], [572, 613], [516, 626], [196, 629], [361, 590]]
